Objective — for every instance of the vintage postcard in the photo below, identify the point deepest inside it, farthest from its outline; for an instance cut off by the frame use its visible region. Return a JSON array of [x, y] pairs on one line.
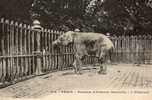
[[76, 49]]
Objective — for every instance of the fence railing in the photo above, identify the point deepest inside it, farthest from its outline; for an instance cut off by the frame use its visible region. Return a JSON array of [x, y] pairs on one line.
[[132, 49], [25, 52]]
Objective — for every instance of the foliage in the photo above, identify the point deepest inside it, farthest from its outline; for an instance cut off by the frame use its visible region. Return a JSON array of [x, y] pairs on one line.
[[135, 15], [16, 10], [57, 14], [114, 16], [123, 16]]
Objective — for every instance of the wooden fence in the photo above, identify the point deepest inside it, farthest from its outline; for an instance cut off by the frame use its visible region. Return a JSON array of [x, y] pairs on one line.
[[132, 49], [25, 52]]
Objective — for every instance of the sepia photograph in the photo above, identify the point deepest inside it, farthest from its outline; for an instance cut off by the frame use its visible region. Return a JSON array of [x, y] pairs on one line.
[[69, 48]]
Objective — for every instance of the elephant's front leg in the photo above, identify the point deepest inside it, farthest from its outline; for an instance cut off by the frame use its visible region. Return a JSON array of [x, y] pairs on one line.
[[77, 65], [103, 67]]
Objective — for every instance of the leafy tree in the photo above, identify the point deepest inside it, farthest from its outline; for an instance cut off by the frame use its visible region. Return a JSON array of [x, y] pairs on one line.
[[122, 16], [16, 9], [114, 16], [57, 14]]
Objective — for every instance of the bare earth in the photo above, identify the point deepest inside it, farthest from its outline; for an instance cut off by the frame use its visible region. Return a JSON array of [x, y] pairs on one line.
[[118, 77]]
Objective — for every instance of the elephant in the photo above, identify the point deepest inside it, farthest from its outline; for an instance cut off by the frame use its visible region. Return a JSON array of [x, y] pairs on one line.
[[84, 44]]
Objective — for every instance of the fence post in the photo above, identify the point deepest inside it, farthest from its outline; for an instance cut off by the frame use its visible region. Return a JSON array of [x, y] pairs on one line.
[[38, 29], [38, 59]]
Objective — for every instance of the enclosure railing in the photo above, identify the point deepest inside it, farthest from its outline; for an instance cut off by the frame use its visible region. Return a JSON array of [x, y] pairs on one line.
[[25, 52], [132, 49]]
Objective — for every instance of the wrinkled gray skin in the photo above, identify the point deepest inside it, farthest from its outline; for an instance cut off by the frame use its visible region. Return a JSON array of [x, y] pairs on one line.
[[86, 44]]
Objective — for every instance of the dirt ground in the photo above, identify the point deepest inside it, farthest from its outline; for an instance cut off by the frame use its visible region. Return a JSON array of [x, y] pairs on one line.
[[118, 77]]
